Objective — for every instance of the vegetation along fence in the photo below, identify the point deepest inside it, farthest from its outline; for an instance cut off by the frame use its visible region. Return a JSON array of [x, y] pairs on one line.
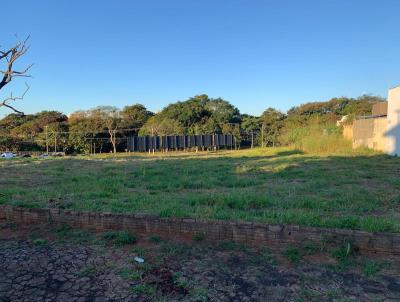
[[180, 142]]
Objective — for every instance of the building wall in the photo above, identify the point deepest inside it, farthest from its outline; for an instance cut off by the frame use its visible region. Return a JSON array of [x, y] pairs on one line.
[[348, 132], [370, 133], [381, 132], [393, 127], [380, 108]]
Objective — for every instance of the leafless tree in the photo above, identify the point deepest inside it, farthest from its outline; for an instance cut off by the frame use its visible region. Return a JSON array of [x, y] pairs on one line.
[[113, 139], [113, 122], [8, 57]]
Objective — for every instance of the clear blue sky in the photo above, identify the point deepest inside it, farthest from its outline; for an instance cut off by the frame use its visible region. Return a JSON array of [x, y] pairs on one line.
[[255, 54]]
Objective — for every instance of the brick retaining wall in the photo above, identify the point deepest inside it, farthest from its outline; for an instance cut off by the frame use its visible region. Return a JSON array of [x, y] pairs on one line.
[[275, 236]]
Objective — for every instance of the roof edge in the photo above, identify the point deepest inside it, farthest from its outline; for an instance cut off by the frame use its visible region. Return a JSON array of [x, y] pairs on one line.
[[394, 87]]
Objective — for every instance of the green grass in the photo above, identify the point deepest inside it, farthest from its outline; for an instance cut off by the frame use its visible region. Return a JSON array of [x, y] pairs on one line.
[[139, 251], [226, 245], [87, 271], [198, 237], [371, 268], [39, 242], [344, 255], [179, 280], [144, 289], [131, 274], [119, 238], [348, 189], [155, 239], [292, 254], [265, 256]]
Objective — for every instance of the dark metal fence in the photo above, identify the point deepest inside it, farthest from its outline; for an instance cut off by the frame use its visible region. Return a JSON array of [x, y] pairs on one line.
[[180, 142]]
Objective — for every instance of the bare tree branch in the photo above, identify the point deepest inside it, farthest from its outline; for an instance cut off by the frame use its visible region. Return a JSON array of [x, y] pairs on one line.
[[12, 98], [19, 73], [9, 57]]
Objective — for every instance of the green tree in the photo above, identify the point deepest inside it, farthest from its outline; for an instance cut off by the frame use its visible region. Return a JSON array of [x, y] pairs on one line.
[[135, 116], [85, 128], [164, 126], [197, 115], [272, 123], [251, 126]]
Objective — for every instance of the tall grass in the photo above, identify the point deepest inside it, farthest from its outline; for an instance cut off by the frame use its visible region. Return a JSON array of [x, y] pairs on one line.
[[326, 139]]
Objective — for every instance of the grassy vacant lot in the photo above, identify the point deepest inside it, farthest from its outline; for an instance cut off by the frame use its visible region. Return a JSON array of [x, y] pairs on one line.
[[358, 190]]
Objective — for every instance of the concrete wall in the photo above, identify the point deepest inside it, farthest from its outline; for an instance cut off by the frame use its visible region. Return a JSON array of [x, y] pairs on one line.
[[380, 133], [370, 133], [258, 234], [348, 132], [393, 128], [380, 108]]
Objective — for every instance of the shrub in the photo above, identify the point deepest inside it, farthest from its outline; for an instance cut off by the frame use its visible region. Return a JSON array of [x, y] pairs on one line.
[[39, 242], [119, 238], [199, 237], [292, 254], [154, 239], [370, 269], [343, 256]]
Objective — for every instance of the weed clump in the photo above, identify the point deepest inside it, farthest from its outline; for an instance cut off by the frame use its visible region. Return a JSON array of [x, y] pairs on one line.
[[371, 268], [155, 239], [39, 242], [343, 255], [198, 237], [119, 238], [293, 254]]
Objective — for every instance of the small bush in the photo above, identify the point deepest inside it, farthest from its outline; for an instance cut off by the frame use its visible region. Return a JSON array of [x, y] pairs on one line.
[[63, 230], [131, 274], [119, 238], [144, 289], [227, 245], [179, 280], [310, 248], [343, 252], [343, 255], [199, 294], [140, 251], [292, 254], [198, 237], [154, 239], [265, 256], [40, 242], [87, 271], [371, 268], [170, 249]]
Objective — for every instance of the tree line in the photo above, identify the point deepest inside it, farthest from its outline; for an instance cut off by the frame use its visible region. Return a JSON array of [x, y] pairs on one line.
[[105, 128]]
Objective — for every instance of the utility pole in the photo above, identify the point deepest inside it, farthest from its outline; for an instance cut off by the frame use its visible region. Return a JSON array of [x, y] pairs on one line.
[[55, 142], [47, 141], [252, 139]]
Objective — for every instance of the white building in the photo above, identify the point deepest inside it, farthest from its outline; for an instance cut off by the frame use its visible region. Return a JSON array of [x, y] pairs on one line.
[[393, 124]]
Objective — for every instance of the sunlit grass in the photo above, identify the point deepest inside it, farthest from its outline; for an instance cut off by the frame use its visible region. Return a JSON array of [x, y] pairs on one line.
[[355, 189]]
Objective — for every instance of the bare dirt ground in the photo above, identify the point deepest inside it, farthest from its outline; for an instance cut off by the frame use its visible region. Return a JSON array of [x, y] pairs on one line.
[[48, 263]]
